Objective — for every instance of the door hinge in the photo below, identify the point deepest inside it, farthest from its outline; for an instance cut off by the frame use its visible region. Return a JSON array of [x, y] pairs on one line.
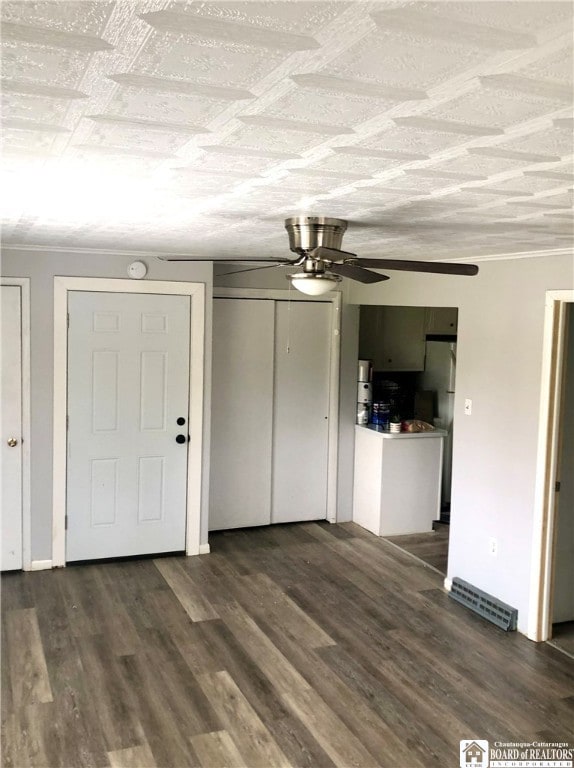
[[557, 486], [66, 523], [68, 319]]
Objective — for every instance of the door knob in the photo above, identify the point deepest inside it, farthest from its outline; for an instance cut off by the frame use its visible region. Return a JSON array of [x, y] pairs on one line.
[[12, 442], [181, 439]]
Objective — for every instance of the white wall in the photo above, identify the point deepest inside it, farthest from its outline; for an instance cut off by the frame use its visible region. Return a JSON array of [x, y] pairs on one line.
[[41, 267], [499, 354]]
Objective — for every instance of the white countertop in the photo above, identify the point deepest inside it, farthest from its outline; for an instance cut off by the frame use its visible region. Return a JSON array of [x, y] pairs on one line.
[[402, 435]]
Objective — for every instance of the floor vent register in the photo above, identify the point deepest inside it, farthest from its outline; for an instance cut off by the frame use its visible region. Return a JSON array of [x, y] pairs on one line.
[[485, 605]]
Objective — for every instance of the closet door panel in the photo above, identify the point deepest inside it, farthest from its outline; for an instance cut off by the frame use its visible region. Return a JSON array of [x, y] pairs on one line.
[[301, 409], [241, 413]]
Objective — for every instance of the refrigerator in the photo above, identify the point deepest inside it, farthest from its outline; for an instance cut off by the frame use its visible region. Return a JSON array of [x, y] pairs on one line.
[[439, 376]]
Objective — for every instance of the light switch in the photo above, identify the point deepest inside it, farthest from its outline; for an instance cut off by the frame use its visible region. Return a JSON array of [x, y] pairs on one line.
[[468, 406]]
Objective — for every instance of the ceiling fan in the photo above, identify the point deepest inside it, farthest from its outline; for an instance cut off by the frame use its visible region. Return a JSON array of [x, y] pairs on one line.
[[317, 242]]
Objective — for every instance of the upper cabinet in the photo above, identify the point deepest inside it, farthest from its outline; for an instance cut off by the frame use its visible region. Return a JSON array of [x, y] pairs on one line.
[[393, 337], [441, 321]]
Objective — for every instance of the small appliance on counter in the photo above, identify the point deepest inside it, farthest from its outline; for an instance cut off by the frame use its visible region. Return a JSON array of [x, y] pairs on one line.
[[364, 391]]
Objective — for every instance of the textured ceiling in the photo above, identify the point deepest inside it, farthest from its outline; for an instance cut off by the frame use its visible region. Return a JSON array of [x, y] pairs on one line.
[[441, 130]]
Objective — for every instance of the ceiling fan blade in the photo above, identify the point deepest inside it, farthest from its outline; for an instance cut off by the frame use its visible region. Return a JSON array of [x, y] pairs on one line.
[[330, 254], [251, 269], [237, 259], [357, 273], [440, 267]]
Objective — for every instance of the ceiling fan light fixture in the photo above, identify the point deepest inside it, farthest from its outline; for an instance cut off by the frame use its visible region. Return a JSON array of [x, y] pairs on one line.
[[313, 284]]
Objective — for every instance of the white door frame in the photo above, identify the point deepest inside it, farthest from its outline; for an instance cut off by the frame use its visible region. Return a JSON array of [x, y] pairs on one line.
[[196, 292], [542, 571], [24, 284], [333, 298]]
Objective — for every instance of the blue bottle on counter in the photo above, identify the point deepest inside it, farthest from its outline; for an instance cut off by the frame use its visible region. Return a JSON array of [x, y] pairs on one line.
[[384, 416], [375, 414]]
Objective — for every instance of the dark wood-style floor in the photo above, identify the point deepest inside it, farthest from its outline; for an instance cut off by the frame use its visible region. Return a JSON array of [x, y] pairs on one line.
[[431, 547], [302, 645], [563, 636]]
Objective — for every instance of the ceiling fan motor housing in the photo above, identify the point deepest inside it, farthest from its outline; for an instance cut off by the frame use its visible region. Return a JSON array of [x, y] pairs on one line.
[[309, 232]]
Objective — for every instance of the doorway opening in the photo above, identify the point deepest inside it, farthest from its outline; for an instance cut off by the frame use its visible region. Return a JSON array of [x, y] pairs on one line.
[[412, 354], [552, 598]]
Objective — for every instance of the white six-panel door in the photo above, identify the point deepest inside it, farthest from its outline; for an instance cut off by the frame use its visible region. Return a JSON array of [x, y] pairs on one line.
[[11, 455], [128, 384]]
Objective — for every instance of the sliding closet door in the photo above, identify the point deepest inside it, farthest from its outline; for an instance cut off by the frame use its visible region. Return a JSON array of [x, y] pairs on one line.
[[301, 410], [241, 413]]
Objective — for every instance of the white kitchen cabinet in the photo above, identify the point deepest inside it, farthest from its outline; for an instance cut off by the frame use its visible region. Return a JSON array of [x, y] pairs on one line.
[[393, 337], [270, 408], [441, 321], [397, 480]]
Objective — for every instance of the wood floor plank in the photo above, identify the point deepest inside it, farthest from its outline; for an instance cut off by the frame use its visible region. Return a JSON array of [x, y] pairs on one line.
[[166, 735], [7, 702], [174, 684], [246, 673], [268, 600], [298, 743], [329, 730], [255, 743], [290, 734], [117, 624], [183, 587], [133, 757], [82, 746], [355, 712], [186, 635], [263, 652], [115, 711], [29, 678], [16, 591], [217, 749], [24, 740]]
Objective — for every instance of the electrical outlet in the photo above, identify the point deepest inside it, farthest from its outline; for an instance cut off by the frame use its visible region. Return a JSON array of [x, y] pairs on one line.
[[468, 406], [493, 546]]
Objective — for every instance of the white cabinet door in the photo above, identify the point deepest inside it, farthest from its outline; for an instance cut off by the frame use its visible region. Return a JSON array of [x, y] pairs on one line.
[[128, 384], [11, 456], [241, 413], [270, 407], [301, 410]]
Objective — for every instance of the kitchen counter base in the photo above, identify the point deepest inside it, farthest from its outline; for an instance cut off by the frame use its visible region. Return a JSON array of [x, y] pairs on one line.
[[397, 481]]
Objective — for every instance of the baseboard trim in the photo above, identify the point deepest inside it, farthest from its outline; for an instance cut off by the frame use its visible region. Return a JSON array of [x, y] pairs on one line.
[[204, 549], [40, 565], [448, 584]]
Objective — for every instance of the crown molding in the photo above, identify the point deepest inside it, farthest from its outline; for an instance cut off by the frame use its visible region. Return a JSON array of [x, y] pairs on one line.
[[518, 255], [51, 249], [66, 249]]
